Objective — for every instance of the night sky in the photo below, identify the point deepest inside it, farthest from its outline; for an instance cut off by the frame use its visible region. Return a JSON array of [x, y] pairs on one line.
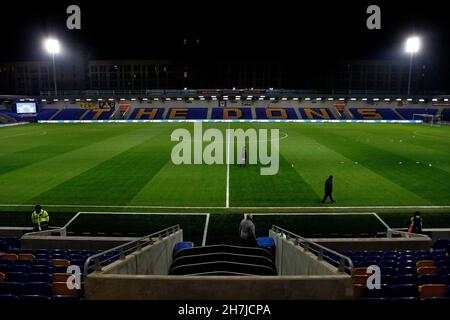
[[310, 31], [300, 35]]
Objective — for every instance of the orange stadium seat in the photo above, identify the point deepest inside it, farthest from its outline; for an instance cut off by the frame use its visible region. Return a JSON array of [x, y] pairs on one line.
[[9, 256], [358, 291], [60, 277], [360, 279], [60, 263], [2, 277], [61, 289], [360, 271], [427, 270], [432, 291], [425, 263], [26, 256]]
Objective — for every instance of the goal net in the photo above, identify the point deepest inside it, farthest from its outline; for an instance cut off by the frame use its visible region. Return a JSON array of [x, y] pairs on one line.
[[427, 118]]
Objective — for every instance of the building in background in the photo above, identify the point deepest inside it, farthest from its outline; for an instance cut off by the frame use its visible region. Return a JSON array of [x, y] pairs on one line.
[[383, 76], [346, 77]]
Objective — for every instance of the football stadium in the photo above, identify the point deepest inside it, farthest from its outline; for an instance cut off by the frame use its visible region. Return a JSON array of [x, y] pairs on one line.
[[105, 172], [128, 180]]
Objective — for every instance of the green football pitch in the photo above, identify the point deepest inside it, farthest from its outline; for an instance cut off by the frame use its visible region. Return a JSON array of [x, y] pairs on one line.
[[129, 165]]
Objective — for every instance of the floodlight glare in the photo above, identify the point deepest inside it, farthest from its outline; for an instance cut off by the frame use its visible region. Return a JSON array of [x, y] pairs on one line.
[[52, 46], [412, 45]]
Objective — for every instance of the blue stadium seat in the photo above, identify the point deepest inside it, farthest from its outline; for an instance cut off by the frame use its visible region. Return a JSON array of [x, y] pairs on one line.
[[38, 288], [58, 251], [266, 243], [65, 298], [71, 251], [30, 251], [367, 263], [444, 271], [5, 268], [14, 288], [446, 279], [34, 297], [181, 246], [40, 277], [13, 250], [42, 262], [59, 256], [388, 271], [424, 257], [406, 263], [442, 264], [6, 262], [388, 264], [20, 268], [405, 279], [441, 253], [79, 263], [41, 269], [9, 297], [441, 244], [41, 256], [406, 270], [429, 279], [76, 257], [405, 299], [58, 269], [404, 290], [17, 277], [43, 251], [387, 279], [28, 263], [88, 253], [383, 292]]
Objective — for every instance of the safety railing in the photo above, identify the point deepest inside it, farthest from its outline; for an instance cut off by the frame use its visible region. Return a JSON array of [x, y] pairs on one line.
[[344, 263], [54, 231], [97, 261], [391, 233]]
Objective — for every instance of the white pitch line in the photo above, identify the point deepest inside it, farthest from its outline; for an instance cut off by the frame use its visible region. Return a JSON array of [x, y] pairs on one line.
[[227, 201], [219, 207]]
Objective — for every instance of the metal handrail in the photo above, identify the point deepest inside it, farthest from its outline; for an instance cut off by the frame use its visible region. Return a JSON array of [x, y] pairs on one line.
[[311, 246], [61, 230], [405, 234], [125, 249]]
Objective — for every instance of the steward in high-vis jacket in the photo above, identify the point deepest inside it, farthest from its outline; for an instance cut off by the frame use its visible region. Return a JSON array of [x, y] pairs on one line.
[[40, 218]]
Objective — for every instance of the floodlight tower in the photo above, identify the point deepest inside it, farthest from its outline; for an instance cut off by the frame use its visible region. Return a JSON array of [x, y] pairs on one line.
[[412, 46], [52, 46]]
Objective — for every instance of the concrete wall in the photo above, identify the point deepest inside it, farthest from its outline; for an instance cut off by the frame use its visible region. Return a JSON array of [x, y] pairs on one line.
[[294, 260], [143, 276], [153, 259], [75, 243], [14, 231], [121, 287], [358, 244]]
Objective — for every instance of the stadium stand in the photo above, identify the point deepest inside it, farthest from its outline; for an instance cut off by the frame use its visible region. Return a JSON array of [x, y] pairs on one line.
[[405, 274], [46, 114], [231, 113], [275, 113], [374, 114], [70, 114], [38, 274], [408, 114], [316, 113], [146, 113]]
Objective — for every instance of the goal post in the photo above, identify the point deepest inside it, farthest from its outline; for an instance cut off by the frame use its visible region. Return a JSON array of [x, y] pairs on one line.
[[426, 118]]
